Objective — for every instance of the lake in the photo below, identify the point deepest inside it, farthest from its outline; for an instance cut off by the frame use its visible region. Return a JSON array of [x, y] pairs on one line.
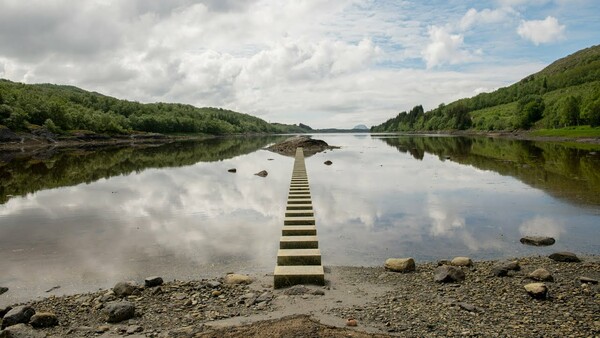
[[83, 219]]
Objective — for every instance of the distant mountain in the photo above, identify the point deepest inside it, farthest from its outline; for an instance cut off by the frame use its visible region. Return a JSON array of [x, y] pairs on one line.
[[564, 94], [360, 127]]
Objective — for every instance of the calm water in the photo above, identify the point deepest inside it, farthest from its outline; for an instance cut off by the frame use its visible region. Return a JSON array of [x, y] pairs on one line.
[[85, 219]]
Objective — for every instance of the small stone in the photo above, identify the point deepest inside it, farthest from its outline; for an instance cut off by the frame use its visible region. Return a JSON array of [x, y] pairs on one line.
[[43, 319], [443, 262], [537, 290], [102, 329], [4, 310], [213, 284], [588, 280], [537, 240], [565, 256], [131, 329], [317, 292], [3, 289], [17, 315], [119, 311], [21, 331], [216, 293], [351, 322], [461, 261], [468, 307], [235, 278], [541, 275], [123, 289], [262, 173], [328, 162], [448, 274], [400, 264], [264, 297], [502, 268], [232, 170], [153, 281], [296, 290]]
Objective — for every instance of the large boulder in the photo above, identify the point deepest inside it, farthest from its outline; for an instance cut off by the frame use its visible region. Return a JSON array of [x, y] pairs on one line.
[[565, 256], [309, 145], [19, 314], [400, 264], [448, 274], [537, 240]]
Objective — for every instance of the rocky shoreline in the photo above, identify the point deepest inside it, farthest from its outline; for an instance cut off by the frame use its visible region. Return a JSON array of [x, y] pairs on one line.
[[491, 299]]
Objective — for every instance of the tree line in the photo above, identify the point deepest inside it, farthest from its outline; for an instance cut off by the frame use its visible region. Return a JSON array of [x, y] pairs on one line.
[[566, 93], [63, 109]]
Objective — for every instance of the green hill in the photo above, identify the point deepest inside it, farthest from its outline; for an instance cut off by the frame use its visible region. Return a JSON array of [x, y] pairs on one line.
[[564, 94], [64, 109]]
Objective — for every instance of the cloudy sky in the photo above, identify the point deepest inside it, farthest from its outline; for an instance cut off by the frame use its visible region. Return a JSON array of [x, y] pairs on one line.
[[324, 63]]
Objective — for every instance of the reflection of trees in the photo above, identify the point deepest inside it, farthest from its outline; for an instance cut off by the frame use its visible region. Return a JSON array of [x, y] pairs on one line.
[[562, 171], [58, 167]]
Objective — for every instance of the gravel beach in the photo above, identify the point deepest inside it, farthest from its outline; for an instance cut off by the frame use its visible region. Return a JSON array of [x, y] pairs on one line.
[[491, 301]]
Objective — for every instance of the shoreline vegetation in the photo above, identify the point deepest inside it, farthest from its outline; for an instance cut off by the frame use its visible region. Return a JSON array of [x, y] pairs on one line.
[[519, 297]]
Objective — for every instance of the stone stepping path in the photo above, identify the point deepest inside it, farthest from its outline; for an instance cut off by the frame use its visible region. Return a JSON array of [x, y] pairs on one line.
[[299, 257]]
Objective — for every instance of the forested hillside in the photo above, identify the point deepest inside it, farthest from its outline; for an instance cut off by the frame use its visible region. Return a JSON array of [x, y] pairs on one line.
[[566, 93], [63, 109]]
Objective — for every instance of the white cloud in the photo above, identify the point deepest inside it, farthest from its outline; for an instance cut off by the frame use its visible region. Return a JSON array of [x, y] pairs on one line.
[[485, 16], [445, 48], [541, 31]]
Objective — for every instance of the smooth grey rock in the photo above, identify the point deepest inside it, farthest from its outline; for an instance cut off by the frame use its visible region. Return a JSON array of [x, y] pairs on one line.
[[448, 274], [400, 264], [537, 290], [461, 261], [541, 275], [43, 319], [565, 256], [537, 240], [119, 311], [588, 280], [21, 331], [124, 289], [19, 314], [3, 289], [262, 173], [501, 269], [153, 281]]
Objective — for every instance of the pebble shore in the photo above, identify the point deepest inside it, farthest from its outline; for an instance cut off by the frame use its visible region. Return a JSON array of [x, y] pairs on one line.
[[357, 301]]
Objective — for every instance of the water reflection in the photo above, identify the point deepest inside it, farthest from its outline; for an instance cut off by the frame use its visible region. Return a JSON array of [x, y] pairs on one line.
[[166, 212], [27, 172]]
